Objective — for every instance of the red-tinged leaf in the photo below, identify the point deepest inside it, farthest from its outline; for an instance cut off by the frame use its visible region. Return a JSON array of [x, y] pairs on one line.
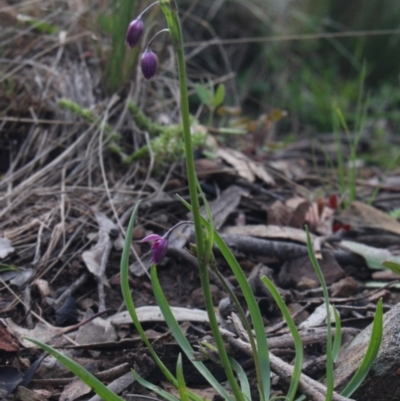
[[333, 201]]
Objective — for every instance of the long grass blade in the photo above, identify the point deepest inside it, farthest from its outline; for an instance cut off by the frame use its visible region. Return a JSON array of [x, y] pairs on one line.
[[98, 387], [262, 356], [329, 358], [131, 306], [298, 344], [155, 389], [180, 338], [337, 341], [128, 299], [370, 355], [244, 382]]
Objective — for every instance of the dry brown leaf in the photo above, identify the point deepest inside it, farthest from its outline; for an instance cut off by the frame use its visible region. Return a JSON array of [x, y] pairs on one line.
[[74, 390], [41, 332], [360, 215], [245, 167], [264, 231]]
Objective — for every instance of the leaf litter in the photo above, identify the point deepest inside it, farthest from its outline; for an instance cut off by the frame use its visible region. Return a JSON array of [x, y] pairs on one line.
[[62, 184]]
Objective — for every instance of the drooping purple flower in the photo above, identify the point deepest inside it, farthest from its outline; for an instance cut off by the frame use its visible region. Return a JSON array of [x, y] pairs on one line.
[[134, 32], [159, 247], [149, 64]]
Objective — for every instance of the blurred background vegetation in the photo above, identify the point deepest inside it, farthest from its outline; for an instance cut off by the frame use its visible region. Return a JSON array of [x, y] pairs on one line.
[[297, 68], [271, 54]]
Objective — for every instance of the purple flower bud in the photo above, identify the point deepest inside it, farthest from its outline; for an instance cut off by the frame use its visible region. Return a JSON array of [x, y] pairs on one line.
[[149, 64], [134, 32], [159, 247]]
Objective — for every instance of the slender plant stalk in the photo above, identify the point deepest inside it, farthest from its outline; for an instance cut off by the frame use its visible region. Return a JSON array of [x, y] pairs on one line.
[[170, 10]]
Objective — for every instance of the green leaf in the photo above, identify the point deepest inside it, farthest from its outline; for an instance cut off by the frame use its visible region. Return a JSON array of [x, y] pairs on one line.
[[370, 355], [338, 336], [180, 337], [219, 96], [298, 344], [204, 94], [128, 299], [244, 382], [152, 387], [98, 387], [183, 393], [374, 257], [262, 356], [131, 306], [393, 266], [329, 356]]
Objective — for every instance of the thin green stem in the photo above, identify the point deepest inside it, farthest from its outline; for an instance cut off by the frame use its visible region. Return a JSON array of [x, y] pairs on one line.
[[170, 10]]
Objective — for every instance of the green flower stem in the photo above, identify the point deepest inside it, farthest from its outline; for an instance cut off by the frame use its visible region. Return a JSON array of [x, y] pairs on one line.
[[170, 10]]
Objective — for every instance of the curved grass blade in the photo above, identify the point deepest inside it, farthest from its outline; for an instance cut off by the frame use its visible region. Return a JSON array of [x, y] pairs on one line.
[[98, 387], [131, 306], [155, 389], [244, 382], [128, 299], [180, 337], [262, 355], [370, 355], [183, 393], [298, 344], [329, 357], [337, 341]]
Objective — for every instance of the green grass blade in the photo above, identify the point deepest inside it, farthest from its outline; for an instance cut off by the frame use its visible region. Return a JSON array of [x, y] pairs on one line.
[[180, 337], [370, 355], [183, 393], [210, 237], [244, 382], [329, 358], [337, 341], [129, 302], [262, 356], [98, 387], [298, 344], [155, 389]]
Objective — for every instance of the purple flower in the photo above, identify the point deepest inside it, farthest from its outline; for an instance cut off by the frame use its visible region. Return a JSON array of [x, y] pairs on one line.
[[159, 247], [134, 32], [149, 64]]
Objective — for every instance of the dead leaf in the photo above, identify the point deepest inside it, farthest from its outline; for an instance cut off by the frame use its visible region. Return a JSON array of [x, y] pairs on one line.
[[376, 258], [25, 394], [76, 389], [245, 167], [153, 314], [41, 332], [5, 247], [317, 318], [96, 331], [108, 231], [7, 342], [360, 215], [264, 231]]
